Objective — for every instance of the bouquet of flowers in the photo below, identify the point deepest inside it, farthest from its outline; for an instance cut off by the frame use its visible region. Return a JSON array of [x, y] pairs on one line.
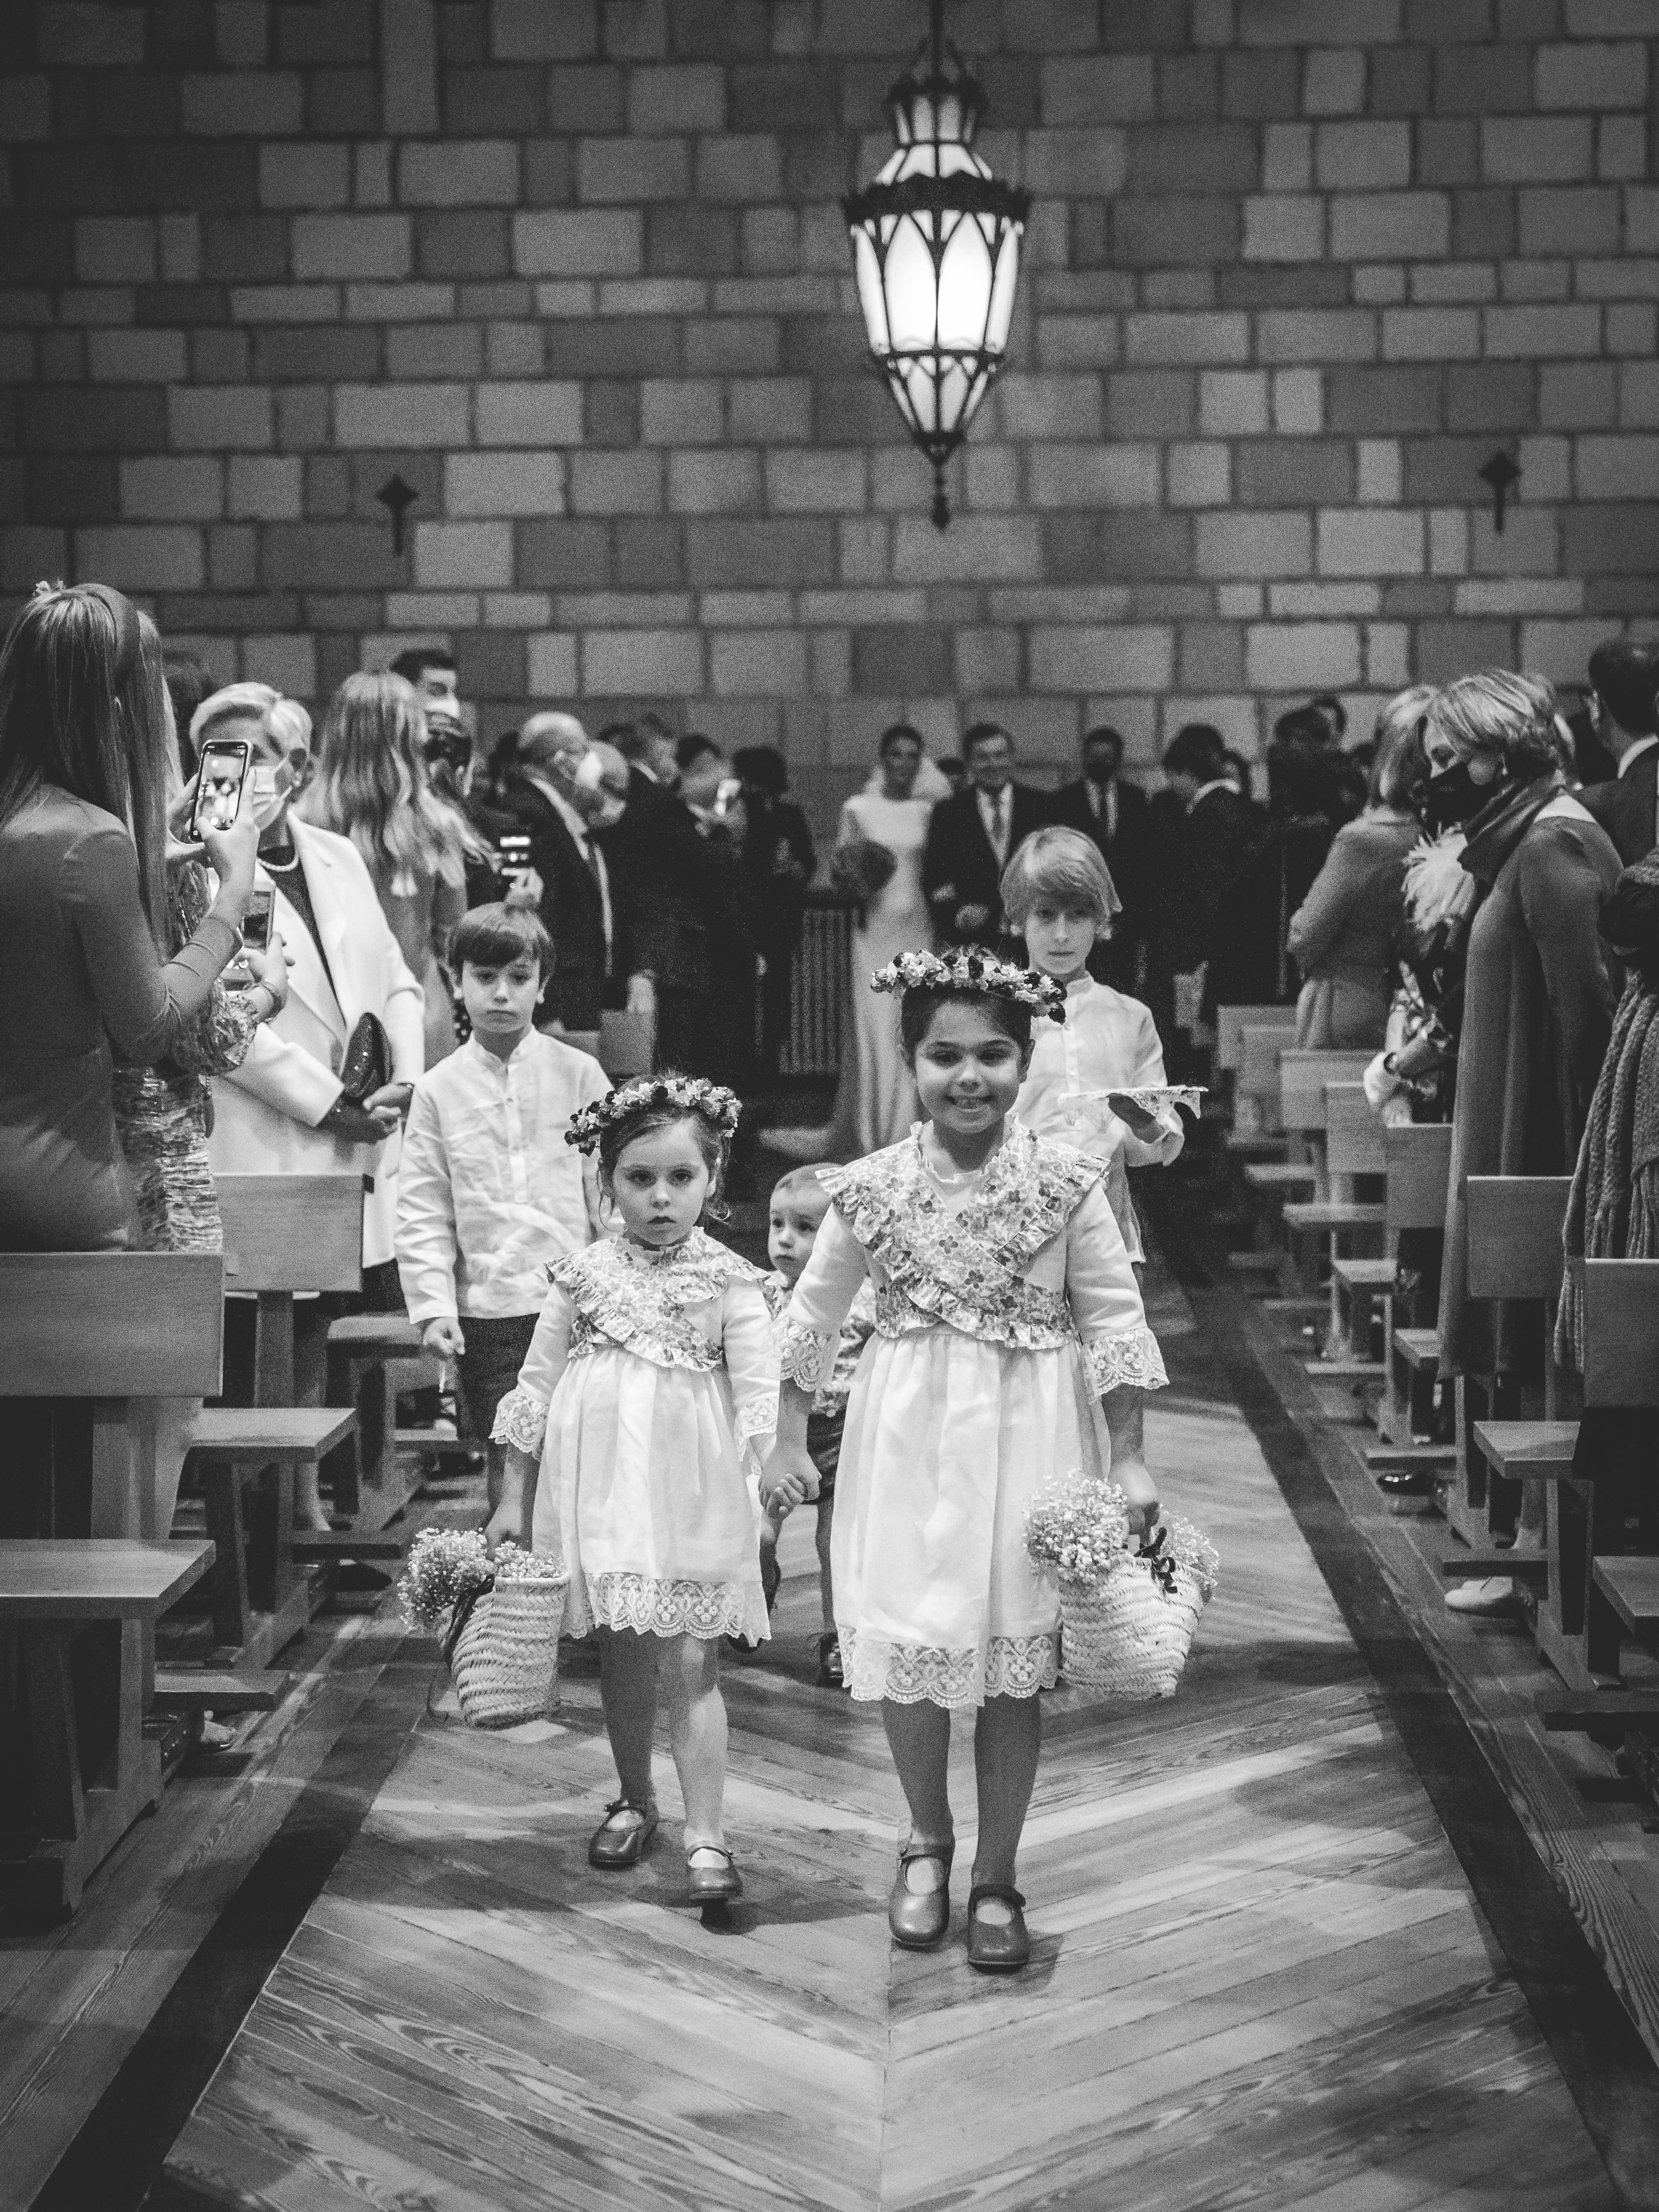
[[1129, 1605], [862, 869], [501, 1619]]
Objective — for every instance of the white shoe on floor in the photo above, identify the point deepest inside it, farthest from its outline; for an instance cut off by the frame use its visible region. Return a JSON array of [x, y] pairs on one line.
[[1492, 1593]]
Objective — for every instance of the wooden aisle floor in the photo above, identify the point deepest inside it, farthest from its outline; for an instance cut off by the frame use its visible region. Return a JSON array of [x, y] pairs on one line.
[[1262, 1979]]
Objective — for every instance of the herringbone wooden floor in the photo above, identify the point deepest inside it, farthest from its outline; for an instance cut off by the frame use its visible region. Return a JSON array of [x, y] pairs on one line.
[[1261, 1977]]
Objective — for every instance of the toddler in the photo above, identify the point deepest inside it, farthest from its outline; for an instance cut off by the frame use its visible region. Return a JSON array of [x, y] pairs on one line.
[[800, 1202]]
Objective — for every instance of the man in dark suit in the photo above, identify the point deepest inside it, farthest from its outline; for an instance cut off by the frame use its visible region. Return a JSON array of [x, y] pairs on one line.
[[666, 888], [972, 837], [1114, 814], [1204, 847], [1624, 714], [565, 792]]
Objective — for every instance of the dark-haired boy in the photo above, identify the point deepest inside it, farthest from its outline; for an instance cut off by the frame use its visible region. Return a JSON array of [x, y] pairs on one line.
[[489, 1192]]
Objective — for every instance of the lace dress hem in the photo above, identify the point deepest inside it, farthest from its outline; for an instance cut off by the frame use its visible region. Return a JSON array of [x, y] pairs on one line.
[[655, 1608], [914, 1673]]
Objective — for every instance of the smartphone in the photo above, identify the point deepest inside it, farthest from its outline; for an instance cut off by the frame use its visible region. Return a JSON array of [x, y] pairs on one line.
[[512, 851], [256, 923], [220, 774]]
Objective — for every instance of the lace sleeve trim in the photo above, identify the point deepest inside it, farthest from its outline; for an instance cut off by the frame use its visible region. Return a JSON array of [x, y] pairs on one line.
[[805, 1358], [521, 1421], [755, 1422], [1133, 1358]]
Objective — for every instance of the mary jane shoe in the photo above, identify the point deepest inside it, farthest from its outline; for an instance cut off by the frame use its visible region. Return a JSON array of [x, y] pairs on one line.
[[919, 1917]]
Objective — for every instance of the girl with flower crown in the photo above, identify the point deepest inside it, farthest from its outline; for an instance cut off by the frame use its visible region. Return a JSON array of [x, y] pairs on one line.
[[634, 1435], [1011, 1342]]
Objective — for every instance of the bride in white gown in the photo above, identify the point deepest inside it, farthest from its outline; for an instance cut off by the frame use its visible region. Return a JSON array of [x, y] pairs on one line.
[[876, 1097]]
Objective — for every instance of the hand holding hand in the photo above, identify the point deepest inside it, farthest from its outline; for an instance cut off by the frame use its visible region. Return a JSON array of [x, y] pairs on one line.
[[787, 1479], [443, 1338]]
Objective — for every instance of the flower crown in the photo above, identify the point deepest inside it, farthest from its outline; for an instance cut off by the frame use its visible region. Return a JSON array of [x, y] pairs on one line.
[[692, 1094], [969, 967]]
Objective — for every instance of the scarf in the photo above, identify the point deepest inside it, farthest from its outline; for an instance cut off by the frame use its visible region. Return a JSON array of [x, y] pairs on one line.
[[1613, 1211], [1501, 824]]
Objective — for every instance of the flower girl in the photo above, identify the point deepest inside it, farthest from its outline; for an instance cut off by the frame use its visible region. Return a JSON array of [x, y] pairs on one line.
[[649, 1387], [1011, 1341]]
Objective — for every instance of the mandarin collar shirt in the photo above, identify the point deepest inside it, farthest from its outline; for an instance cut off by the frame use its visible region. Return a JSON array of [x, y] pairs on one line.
[[489, 1192]]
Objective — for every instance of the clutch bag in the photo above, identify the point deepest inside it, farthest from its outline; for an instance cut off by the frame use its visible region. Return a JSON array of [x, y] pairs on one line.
[[367, 1067]]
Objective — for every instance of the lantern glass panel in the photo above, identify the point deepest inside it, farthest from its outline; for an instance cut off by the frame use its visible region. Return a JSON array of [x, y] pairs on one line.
[[1002, 291], [965, 277], [871, 298], [909, 285]]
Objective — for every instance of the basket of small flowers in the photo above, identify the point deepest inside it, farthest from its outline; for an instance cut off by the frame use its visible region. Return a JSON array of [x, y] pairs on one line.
[[500, 1620], [1129, 1605]]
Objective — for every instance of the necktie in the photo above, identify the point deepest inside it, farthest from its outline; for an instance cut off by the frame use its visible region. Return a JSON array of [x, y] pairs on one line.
[[1001, 803]]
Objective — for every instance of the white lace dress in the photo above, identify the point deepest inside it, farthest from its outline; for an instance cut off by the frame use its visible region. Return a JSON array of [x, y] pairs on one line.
[[650, 1388], [1005, 1310]]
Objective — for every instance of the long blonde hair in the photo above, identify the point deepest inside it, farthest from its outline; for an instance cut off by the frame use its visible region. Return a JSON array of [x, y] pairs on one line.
[[372, 784]]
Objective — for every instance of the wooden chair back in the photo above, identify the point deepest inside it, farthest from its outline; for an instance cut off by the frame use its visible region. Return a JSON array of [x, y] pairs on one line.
[[1417, 1160], [1257, 1075], [1354, 1135], [1302, 1080], [292, 1232], [110, 1324], [1515, 1235], [1621, 1332], [1229, 1024]]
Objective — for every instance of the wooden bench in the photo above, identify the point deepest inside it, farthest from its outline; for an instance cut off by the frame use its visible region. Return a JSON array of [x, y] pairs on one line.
[[1417, 1167], [75, 1611], [1321, 1098], [1246, 1135], [1514, 1237], [284, 1236], [1255, 1084], [371, 1357], [1353, 1147]]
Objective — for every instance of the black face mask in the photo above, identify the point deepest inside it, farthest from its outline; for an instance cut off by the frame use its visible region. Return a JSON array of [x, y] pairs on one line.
[[1450, 800]]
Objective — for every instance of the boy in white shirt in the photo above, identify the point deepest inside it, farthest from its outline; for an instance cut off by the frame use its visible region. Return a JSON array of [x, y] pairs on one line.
[[1058, 892], [489, 1192]]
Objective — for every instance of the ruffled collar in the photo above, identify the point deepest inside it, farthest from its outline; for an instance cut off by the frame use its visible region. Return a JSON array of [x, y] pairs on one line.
[[688, 1273], [1018, 1202]]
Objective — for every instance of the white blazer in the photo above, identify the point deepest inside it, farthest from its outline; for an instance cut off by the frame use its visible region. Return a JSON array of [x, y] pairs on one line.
[[266, 1111]]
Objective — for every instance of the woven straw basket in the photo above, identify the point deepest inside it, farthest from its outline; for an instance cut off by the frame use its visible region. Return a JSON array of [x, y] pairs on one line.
[[505, 1659], [1127, 1635]]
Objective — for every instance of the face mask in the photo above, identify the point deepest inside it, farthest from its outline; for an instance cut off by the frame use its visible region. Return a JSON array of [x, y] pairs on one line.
[[272, 788], [1450, 799]]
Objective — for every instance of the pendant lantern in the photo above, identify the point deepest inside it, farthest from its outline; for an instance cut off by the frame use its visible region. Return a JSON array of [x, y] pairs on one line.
[[936, 243]]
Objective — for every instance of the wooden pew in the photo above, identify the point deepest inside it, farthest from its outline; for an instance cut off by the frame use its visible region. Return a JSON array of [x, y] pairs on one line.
[[1257, 1116], [371, 1357], [1332, 1210], [79, 1599], [1514, 1224], [1417, 1162], [73, 1611], [1353, 1147], [282, 1235], [1247, 1136]]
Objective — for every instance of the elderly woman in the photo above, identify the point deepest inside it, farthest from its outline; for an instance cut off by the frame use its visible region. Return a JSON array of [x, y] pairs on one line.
[[1342, 935], [1537, 1001]]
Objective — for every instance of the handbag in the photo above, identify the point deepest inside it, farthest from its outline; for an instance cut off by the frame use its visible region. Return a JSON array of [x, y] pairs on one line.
[[367, 1067]]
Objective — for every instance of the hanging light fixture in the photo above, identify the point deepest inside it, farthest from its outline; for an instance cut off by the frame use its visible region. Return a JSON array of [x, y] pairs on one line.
[[936, 248]]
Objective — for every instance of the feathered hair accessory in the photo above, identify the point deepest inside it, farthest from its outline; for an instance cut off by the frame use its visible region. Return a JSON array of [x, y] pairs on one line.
[[969, 967], [688, 1094]]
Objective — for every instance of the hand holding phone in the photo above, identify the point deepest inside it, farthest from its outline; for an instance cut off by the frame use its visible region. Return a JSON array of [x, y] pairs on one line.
[[219, 775]]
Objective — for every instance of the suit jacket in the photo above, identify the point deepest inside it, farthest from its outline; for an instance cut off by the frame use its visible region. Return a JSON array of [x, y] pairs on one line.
[[573, 914], [1126, 853], [662, 882], [265, 1112], [959, 866], [1223, 836], [1625, 808]]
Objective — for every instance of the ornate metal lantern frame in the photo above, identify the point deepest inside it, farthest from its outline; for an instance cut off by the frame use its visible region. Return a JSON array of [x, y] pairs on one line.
[[936, 242]]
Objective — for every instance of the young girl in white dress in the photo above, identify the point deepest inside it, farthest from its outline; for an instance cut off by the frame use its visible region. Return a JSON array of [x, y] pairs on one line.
[[649, 1390], [1011, 1347]]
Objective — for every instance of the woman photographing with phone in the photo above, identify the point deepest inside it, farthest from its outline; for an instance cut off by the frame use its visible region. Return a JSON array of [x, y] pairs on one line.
[[84, 911]]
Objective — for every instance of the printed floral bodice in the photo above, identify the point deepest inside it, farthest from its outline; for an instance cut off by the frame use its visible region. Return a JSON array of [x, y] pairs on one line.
[[646, 1302], [967, 1267]]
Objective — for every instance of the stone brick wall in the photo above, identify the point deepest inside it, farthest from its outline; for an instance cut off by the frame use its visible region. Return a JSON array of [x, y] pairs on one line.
[[576, 270]]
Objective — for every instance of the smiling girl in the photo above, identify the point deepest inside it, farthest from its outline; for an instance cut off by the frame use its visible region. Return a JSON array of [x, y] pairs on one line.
[[1011, 1346], [649, 1388]]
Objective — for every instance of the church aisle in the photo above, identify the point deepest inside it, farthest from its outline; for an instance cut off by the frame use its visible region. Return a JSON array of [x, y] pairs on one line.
[[1261, 1976]]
